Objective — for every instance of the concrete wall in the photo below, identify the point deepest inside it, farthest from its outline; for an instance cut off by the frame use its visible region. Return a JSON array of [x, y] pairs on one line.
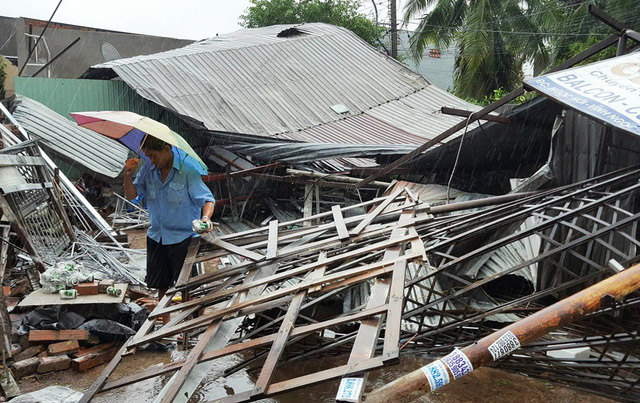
[[84, 54]]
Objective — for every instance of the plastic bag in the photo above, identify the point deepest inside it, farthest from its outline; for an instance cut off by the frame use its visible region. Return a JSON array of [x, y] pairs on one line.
[[64, 275]]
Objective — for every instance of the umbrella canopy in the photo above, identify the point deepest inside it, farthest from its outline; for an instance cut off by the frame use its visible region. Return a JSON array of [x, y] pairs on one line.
[[132, 129]]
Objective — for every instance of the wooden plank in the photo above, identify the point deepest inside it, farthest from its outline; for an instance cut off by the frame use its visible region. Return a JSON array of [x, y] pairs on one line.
[[91, 360], [286, 327], [191, 361], [371, 216], [235, 348], [57, 335], [229, 247], [391, 350], [366, 272], [338, 219], [311, 379], [302, 269], [39, 298], [272, 244], [95, 349], [98, 383], [367, 338], [345, 274], [64, 347]]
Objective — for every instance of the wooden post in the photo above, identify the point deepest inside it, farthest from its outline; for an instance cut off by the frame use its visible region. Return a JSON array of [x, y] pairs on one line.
[[232, 194], [308, 203], [498, 344]]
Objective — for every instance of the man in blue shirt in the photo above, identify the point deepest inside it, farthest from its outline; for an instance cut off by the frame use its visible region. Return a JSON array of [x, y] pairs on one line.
[[175, 196]]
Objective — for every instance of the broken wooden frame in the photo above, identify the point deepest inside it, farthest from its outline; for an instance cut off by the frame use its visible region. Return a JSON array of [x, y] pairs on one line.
[[291, 270], [578, 227]]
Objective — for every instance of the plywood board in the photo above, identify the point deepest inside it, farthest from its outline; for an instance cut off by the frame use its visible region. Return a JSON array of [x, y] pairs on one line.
[[39, 297]]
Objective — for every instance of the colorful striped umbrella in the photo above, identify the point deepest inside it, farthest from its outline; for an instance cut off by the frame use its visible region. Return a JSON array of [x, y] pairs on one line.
[[132, 129]]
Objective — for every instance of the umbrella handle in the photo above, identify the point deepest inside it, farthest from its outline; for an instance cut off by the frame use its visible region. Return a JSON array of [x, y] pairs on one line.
[[142, 143]]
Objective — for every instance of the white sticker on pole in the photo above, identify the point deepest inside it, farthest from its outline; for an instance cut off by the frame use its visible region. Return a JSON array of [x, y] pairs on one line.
[[436, 374], [458, 363], [349, 390], [505, 344]]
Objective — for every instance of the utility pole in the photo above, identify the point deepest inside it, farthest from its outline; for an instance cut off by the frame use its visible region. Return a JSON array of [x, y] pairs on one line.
[[394, 29]]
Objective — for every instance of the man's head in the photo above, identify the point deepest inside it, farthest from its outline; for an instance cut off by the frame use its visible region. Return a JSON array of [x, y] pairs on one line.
[[158, 151]]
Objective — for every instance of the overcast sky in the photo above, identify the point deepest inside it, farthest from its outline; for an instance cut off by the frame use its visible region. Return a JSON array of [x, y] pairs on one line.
[[184, 19]]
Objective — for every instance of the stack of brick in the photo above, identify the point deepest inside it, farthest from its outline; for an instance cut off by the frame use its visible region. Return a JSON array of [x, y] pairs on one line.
[[58, 350]]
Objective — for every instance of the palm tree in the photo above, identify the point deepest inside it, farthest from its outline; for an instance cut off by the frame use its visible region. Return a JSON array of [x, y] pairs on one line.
[[493, 37]]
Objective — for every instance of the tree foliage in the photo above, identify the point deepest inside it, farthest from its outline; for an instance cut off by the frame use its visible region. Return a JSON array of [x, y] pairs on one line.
[[494, 38], [344, 13]]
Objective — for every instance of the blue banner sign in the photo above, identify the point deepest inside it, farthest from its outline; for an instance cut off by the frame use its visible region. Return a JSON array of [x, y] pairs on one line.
[[608, 90]]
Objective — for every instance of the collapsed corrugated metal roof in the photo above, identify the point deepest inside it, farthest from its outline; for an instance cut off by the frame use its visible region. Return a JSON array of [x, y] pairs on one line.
[[288, 81], [66, 139]]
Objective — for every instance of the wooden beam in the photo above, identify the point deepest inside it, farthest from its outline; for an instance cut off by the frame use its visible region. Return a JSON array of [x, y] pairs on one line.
[[229, 247], [338, 220], [284, 332], [272, 244], [466, 114], [235, 348], [372, 215]]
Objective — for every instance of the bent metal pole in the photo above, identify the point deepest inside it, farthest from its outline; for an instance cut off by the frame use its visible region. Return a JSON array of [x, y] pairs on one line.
[[506, 340]]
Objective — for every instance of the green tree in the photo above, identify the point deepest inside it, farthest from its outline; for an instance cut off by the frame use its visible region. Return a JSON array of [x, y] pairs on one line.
[[586, 30], [493, 38], [343, 13]]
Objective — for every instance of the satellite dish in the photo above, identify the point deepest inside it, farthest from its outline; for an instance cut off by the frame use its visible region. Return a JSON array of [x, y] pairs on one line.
[[109, 52]]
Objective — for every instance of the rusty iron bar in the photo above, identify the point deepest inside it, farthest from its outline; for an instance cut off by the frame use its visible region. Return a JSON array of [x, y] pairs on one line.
[[568, 310]]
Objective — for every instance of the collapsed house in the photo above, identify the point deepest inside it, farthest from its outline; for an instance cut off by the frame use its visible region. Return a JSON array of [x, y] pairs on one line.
[[417, 268]]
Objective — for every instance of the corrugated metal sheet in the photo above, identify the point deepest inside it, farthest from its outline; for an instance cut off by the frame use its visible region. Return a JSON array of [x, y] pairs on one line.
[[298, 153], [65, 138], [413, 119], [67, 95], [254, 82]]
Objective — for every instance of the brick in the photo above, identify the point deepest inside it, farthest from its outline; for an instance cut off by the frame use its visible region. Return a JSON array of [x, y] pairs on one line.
[[25, 367], [64, 347], [6, 290], [104, 284], [95, 349], [55, 363], [43, 354], [57, 335], [28, 353], [91, 360], [87, 288]]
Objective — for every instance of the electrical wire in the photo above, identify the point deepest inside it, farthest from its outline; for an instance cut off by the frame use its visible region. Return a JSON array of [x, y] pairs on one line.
[[455, 164]]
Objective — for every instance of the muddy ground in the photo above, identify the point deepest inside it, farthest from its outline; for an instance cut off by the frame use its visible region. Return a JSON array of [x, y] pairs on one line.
[[483, 385]]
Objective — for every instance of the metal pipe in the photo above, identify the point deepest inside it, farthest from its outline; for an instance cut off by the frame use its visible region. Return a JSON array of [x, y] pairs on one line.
[[506, 340], [40, 37], [63, 51]]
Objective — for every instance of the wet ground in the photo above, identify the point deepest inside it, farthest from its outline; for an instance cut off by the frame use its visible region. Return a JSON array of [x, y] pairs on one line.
[[483, 385]]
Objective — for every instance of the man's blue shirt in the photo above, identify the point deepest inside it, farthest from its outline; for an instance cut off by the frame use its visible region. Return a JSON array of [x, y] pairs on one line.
[[174, 203]]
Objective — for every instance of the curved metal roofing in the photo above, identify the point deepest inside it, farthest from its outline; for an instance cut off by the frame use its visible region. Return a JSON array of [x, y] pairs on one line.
[[56, 133], [283, 81]]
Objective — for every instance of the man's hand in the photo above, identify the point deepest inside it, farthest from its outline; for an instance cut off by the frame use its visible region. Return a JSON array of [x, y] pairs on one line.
[[131, 165], [207, 220]]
